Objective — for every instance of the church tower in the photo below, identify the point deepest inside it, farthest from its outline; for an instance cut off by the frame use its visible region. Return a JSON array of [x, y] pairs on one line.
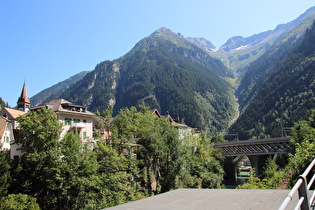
[[24, 102]]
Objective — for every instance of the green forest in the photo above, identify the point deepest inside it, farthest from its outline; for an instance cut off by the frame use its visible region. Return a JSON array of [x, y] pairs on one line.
[[144, 157], [277, 89], [65, 174]]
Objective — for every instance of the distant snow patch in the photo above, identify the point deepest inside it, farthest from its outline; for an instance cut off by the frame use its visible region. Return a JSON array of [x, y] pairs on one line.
[[241, 47]]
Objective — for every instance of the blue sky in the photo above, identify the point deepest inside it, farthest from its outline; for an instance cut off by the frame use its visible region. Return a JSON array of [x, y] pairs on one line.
[[45, 42]]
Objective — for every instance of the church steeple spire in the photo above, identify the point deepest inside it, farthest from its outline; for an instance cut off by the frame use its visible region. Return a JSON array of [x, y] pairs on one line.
[[24, 102]]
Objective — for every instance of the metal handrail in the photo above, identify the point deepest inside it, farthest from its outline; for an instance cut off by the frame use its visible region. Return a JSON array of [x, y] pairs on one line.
[[302, 187]]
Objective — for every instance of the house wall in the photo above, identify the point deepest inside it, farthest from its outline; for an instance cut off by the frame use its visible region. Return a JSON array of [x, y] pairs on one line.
[[6, 138], [84, 125], [15, 151], [86, 132], [5, 113]]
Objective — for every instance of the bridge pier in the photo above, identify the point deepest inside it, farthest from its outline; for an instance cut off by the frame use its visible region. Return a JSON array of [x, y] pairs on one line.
[[229, 167], [231, 170], [258, 163]]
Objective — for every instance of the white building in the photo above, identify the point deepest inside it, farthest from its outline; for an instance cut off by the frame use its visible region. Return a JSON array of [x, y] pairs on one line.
[[6, 133]]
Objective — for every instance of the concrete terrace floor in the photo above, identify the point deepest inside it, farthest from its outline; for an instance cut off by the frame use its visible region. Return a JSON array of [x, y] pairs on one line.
[[184, 199]]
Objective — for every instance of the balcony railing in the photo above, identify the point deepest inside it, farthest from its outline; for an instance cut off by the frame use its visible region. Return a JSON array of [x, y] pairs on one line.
[[78, 125]]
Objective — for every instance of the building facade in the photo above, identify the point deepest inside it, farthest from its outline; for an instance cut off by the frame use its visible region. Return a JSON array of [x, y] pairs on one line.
[[6, 133], [74, 118], [11, 114]]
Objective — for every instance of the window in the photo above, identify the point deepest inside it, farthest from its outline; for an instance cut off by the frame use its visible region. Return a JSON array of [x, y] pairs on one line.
[[84, 134], [7, 139], [76, 120], [84, 121], [67, 121], [16, 158]]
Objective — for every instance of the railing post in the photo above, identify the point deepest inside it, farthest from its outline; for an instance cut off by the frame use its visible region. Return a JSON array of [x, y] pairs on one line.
[[303, 193]]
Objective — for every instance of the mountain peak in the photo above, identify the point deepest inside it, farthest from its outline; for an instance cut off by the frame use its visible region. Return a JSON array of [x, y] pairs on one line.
[[234, 43], [165, 32]]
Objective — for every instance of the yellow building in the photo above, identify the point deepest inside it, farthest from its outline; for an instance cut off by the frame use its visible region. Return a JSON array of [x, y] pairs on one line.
[[74, 118]]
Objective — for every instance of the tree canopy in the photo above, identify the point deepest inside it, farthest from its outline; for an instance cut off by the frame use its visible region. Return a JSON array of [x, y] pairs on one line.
[[144, 156]]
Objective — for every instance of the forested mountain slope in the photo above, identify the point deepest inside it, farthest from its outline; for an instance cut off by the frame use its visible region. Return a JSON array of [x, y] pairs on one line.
[[278, 89], [166, 72], [186, 78]]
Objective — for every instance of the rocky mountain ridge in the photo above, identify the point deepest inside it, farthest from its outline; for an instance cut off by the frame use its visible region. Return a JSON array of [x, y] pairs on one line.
[[239, 42], [202, 43]]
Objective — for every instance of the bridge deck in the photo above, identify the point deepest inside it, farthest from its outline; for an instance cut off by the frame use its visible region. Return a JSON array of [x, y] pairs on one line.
[[211, 199], [255, 147], [253, 141]]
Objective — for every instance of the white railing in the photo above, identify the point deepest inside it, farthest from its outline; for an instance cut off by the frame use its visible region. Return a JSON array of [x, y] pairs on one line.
[[302, 187], [78, 125]]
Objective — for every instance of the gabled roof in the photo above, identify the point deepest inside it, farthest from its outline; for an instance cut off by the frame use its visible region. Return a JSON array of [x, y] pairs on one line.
[[170, 119], [12, 112], [156, 113], [3, 124]]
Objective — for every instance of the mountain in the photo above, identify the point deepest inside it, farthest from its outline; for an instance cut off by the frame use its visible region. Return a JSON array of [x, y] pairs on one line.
[[278, 88], [170, 73], [254, 74], [166, 72], [192, 80], [238, 52], [202, 43], [57, 89]]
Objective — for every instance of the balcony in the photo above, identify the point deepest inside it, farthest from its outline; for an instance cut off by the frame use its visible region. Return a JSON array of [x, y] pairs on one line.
[[78, 125]]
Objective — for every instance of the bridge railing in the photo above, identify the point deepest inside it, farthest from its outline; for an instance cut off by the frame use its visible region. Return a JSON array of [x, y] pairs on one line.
[[302, 187]]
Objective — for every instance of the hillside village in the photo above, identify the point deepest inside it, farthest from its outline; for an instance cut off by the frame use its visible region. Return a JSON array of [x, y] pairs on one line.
[[74, 118]]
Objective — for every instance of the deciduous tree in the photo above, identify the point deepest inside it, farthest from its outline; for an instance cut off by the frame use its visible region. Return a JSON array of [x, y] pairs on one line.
[[4, 173], [38, 137]]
